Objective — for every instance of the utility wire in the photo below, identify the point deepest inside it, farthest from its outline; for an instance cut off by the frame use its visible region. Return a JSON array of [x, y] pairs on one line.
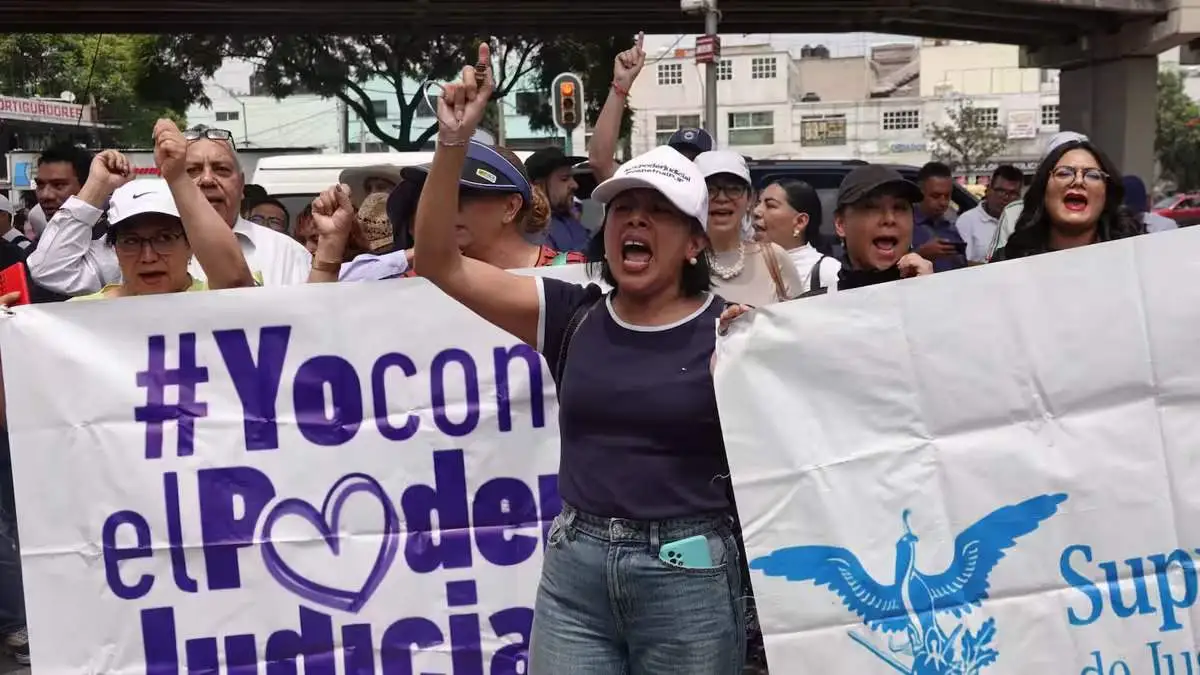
[[88, 87]]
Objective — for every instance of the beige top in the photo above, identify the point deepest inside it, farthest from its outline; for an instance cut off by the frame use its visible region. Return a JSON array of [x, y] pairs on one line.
[[756, 284]]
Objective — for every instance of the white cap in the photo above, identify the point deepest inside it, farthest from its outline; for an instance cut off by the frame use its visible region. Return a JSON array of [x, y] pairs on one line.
[[666, 171], [5, 205], [715, 162], [145, 195], [1060, 138]]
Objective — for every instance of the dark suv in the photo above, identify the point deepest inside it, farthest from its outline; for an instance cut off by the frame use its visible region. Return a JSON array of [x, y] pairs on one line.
[[825, 175]]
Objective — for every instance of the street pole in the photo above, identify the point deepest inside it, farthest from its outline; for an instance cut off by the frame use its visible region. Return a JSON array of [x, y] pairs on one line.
[[711, 16], [500, 121]]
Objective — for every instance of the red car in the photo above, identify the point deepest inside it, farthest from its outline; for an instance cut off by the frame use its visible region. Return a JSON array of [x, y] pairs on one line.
[[1182, 208]]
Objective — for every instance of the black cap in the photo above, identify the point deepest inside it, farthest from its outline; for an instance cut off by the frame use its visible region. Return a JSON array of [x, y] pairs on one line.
[[865, 180], [544, 162], [691, 137]]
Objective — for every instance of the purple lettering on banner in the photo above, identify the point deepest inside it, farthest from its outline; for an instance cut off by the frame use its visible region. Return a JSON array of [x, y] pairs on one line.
[[241, 655], [256, 380], [448, 498], [467, 652], [380, 400], [113, 555], [501, 506], [404, 637], [175, 534], [313, 644], [437, 379], [325, 522], [308, 394], [358, 651], [158, 641], [221, 530], [202, 657], [537, 401], [155, 379], [512, 659]]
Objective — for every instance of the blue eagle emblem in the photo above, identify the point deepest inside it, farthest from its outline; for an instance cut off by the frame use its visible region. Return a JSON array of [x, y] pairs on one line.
[[911, 607]]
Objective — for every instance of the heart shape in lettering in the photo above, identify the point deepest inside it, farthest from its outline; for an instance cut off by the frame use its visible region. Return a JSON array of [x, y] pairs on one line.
[[326, 523]]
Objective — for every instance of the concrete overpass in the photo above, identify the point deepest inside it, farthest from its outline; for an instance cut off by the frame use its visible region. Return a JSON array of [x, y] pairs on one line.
[[1105, 48]]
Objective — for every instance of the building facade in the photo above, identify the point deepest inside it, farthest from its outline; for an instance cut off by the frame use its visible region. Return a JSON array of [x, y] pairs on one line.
[[876, 107]]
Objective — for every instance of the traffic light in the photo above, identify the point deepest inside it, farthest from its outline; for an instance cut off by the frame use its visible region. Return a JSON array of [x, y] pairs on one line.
[[568, 102]]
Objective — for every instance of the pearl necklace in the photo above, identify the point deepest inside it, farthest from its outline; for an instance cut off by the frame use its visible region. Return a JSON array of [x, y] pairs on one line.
[[727, 273]]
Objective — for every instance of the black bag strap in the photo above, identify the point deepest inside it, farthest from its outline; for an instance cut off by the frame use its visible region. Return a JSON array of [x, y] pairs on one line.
[[814, 276], [572, 328]]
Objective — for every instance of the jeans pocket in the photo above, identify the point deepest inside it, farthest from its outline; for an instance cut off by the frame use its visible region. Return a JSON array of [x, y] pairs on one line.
[[719, 552], [558, 532]]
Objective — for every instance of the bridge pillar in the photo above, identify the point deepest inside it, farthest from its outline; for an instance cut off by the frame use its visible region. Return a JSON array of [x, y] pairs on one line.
[[1114, 103]]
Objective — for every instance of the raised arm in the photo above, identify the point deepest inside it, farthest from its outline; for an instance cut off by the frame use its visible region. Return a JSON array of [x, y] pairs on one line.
[[333, 216], [212, 240], [506, 300], [603, 145]]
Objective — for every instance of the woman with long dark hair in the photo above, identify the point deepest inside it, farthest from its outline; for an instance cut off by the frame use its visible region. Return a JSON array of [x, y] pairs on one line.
[[1075, 199]]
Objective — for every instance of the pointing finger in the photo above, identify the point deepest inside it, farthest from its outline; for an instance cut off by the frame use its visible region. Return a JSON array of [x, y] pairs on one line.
[[485, 52], [641, 40]]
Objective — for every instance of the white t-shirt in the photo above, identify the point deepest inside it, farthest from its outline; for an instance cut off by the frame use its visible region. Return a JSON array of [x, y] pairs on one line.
[[67, 260], [806, 258], [977, 227]]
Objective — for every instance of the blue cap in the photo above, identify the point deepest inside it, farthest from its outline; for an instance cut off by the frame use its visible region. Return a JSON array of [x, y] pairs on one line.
[[693, 138], [485, 169], [1136, 198]]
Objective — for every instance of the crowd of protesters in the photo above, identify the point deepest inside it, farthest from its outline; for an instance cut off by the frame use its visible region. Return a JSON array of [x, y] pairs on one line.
[[687, 241]]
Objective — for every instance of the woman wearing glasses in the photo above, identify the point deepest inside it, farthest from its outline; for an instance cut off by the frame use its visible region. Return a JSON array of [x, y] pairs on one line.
[[1074, 200], [156, 226], [744, 272]]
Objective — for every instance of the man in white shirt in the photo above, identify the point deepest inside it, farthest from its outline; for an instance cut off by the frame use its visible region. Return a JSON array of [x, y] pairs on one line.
[[68, 261], [978, 225]]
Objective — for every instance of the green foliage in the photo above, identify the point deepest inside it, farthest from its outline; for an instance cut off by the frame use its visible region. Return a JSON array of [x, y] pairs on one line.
[[341, 66], [970, 138], [1177, 141], [592, 61], [113, 70]]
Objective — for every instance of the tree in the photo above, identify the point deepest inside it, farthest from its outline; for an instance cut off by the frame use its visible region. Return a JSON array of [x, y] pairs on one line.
[[592, 61], [111, 70], [1177, 138], [969, 139], [342, 66]]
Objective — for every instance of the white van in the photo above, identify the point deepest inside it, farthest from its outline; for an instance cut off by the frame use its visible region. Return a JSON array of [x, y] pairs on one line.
[[296, 180]]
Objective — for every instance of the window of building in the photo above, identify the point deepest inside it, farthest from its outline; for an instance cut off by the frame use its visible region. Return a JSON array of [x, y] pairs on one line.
[[379, 109], [819, 130], [670, 74], [665, 125], [724, 69], [987, 117], [897, 120], [762, 68], [752, 128], [231, 116], [1050, 115]]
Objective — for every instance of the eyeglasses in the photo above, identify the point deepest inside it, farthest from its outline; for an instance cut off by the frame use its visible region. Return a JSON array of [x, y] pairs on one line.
[[1068, 174], [731, 190], [1005, 192], [197, 133], [273, 222], [162, 243]]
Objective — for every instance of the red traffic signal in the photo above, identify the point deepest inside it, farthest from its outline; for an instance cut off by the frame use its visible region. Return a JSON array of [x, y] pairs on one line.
[[567, 89]]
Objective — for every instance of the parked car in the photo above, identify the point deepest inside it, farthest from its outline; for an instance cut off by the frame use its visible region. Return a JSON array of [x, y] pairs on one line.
[[1183, 208]]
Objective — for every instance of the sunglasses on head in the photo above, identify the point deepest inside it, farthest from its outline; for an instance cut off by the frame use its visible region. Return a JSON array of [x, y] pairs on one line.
[[209, 133]]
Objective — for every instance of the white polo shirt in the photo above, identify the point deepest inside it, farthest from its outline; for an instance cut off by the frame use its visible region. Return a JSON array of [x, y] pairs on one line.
[[67, 260], [977, 227]]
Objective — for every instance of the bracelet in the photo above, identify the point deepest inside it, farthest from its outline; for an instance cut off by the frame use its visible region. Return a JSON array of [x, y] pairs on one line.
[[619, 89], [451, 143], [326, 266]]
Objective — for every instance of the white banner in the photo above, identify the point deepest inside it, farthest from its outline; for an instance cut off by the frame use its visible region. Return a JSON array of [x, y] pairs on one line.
[[348, 478], [985, 471]]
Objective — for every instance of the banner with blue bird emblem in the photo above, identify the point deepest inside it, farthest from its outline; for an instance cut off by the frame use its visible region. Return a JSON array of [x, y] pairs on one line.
[[988, 471]]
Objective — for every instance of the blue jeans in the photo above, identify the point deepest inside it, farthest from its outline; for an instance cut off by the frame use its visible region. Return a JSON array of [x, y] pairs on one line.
[[12, 590], [607, 605]]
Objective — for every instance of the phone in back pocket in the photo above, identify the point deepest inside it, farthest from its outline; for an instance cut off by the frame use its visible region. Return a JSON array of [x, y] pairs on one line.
[[12, 279], [690, 553]]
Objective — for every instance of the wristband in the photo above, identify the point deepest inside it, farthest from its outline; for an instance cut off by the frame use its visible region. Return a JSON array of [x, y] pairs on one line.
[[326, 266], [619, 89]]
